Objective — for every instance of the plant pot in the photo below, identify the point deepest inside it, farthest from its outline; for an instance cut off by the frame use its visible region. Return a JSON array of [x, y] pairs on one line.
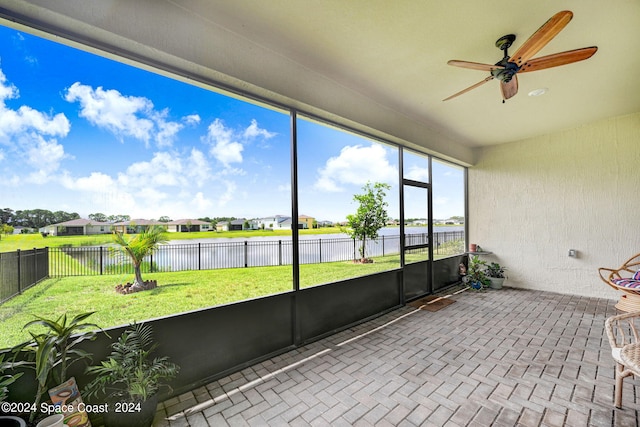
[[11, 421], [496, 282], [129, 415], [52, 421]]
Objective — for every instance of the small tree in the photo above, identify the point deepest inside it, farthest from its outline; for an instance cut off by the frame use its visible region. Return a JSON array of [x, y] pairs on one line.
[[138, 247], [5, 229], [371, 215]]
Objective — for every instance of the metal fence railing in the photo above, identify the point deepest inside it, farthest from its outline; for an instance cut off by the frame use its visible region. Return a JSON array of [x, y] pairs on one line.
[[102, 260], [22, 269]]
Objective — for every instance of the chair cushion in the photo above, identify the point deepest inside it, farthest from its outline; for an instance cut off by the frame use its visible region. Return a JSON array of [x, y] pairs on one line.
[[615, 353], [627, 283], [636, 276]]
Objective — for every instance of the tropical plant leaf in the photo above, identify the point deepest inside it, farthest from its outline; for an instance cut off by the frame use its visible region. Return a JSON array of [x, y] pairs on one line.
[[129, 372]]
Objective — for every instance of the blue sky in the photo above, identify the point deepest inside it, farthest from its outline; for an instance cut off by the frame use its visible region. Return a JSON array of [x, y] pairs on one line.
[[82, 133]]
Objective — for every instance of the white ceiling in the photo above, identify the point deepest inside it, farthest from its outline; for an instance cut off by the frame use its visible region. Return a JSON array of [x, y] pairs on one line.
[[379, 63], [396, 52]]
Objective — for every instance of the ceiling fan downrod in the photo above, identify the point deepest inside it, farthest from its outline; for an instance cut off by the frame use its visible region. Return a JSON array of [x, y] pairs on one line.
[[510, 68]]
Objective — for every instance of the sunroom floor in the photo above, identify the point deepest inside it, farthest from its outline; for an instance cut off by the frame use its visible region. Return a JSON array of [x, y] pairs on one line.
[[498, 357]]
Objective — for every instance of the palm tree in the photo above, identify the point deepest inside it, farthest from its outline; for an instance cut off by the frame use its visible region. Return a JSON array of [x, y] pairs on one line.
[[138, 247]]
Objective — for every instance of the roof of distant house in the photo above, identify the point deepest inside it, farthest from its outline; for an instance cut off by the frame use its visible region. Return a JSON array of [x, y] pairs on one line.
[[139, 221], [187, 222], [79, 222]]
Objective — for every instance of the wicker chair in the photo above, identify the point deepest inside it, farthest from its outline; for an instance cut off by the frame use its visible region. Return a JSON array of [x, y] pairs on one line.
[[626, 279], [622, 331]]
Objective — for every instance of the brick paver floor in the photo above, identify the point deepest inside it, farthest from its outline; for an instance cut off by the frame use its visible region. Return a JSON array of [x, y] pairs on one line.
[[499, 357]]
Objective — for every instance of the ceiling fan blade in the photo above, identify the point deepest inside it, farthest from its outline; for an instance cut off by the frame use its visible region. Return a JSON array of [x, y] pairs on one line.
[[474, 65], [540, 38], [557, 59], [509, 89], [469, 88]]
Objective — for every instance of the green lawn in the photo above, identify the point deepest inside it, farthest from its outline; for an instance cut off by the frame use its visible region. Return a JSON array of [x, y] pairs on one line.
[[9, 243], [177, 292]]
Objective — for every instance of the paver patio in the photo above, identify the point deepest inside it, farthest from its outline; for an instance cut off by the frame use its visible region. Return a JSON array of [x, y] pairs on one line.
[[507, 357]]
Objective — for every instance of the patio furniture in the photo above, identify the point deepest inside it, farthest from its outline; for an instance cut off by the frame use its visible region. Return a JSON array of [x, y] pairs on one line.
[[626, 279], [622, 332]]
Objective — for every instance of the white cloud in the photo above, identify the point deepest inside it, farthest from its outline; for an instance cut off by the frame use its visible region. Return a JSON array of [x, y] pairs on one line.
[[7, 90], [161, 185], [201, 203], [29, 137], [198, 169], [227, 196], [151, 196], [254, 131], [223, 147], [356, 165], [417, 173], [167, 131], [286, 188], [192, 119], [14, 123], [39, 157], [43, 155], [227, 145], [164, 169], [97, 181], [441, 201], [10, 181], [124, 116], [26, 118], [113, 111]]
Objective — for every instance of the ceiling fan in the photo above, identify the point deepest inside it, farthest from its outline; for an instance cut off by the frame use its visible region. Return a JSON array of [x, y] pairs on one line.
[[507, 68]]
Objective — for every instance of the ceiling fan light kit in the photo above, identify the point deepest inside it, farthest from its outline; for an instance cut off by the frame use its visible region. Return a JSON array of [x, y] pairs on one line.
[[522, 61]]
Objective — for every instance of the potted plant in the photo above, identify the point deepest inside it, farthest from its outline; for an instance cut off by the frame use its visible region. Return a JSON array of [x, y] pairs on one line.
[[5, 381], [495, 273], [50, 353], [476, 277], [130, 379]]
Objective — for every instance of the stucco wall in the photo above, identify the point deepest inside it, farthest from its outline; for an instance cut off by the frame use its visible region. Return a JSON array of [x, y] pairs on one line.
[[531, 201]]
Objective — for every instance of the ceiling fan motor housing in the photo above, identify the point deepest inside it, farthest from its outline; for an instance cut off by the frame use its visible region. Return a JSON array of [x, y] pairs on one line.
[[510, 68], [505, 74]]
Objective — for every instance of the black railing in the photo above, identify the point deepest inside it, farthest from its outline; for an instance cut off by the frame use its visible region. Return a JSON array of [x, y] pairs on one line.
[[100, 260], [22, 269]]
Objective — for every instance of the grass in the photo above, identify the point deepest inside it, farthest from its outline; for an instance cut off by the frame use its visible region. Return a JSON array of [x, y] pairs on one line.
[[177, 292], [9, 243]]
